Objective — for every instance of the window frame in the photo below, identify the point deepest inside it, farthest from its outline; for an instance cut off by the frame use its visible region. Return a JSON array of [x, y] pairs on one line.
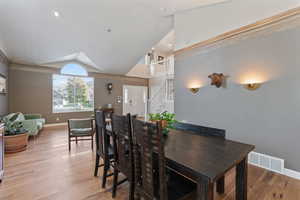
[[75, 76]]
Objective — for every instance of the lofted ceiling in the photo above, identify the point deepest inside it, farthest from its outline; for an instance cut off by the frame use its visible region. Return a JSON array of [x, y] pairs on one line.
[[166, 45], [109, 35]]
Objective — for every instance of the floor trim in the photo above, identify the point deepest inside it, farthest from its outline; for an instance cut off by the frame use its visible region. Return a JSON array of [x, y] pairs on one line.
[[287, 172], [56, 124], [292, 173]]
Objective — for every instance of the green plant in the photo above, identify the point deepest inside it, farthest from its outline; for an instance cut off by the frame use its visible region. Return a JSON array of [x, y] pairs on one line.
[[169, 118], [13, 127]]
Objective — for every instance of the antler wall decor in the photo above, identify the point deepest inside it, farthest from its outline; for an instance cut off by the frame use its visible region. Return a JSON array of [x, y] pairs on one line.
[[217, 79]]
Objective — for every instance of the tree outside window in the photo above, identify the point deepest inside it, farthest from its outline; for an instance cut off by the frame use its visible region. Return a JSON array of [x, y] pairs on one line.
[[72, 94]]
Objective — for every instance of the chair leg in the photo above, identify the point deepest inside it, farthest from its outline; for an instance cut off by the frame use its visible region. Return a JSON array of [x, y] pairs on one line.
[[221, 185], [69, 144], [92, 143], [131, 190], [105, 170], [115, 183], [76, 140], [97, 165]]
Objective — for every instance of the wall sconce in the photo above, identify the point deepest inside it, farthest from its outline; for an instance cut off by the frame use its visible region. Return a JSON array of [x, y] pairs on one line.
[[109, 87], [252, 86], [194, 90]]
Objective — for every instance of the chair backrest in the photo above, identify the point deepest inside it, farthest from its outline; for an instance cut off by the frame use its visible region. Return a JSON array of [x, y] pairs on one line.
[[201, 130], [80, 123], [123, 144], [149, 161], [100, 118], [102, 140], [108, 113]]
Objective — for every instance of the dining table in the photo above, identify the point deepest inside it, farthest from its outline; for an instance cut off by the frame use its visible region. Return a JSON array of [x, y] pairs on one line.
[[205, 160]]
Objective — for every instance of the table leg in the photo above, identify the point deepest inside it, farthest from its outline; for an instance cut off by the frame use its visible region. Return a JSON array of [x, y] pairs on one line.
[[241, 180], [221, 185], [205, 189]]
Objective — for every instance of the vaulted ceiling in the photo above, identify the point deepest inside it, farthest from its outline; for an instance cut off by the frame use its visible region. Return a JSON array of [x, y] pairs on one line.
[[112, 34]]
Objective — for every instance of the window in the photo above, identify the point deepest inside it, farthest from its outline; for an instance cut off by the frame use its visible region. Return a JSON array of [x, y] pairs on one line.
[[74, 69], [72, 94]]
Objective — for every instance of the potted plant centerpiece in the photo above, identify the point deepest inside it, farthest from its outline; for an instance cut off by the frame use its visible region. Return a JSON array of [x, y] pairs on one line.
[[15, 137], [168, 120]]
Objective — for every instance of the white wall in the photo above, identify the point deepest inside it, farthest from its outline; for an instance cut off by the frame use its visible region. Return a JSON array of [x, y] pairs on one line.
[[204, 23], [139, 70]]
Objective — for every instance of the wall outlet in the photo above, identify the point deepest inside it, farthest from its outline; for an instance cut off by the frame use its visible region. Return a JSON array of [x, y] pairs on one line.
[[119, 99]]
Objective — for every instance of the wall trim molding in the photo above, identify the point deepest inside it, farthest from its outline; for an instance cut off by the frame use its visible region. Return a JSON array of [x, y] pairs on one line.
[[286, 172], [1, 174], [55, 124], [265, 23], [272, 164], [292, 173], [53, 70]]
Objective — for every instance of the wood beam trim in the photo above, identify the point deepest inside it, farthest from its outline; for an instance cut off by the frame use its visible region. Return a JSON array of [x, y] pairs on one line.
[[244, 29]]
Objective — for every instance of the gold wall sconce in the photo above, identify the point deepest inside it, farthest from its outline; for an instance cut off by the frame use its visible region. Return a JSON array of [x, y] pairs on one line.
[[252, 86], [194, 90]]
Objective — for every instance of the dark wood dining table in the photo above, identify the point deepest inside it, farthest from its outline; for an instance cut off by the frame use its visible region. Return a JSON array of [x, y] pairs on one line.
[[205, 160]]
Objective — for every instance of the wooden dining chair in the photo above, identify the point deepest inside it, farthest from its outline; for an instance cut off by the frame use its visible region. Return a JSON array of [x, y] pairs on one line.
[[205, 131], [104, 148], [79, 130], [123, 144], [153, 180]]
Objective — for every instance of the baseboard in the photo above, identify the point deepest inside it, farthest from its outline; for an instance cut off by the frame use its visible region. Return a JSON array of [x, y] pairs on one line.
[[1, 174], [268, 162], [56, 124], [292, 173]]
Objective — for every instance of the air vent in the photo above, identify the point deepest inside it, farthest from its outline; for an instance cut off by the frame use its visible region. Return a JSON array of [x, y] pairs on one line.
[[268, 162]]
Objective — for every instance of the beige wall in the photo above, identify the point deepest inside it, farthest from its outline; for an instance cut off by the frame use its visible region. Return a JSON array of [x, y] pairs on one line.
[[30, 91]]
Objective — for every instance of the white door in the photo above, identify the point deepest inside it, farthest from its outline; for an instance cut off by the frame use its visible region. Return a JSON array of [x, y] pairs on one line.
[[135, 100]]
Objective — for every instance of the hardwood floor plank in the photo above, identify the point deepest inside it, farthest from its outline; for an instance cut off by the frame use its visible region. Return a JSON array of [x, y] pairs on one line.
[[47, 171]]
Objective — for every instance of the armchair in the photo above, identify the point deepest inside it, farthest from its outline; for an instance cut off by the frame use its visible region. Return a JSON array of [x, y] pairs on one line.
[[80, 129]]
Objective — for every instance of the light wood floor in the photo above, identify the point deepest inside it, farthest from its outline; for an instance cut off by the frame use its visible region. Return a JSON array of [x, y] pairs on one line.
[[47, 171]]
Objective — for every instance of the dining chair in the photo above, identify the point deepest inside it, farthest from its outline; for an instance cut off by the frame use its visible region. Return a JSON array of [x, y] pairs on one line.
[[153, 180], [205, 131], [79, 130], [122, 143], [104, 148]]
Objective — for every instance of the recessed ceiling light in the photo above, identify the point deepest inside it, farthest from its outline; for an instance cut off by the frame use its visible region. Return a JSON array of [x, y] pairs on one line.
[[153, 48], [163, 9], [56, 13]]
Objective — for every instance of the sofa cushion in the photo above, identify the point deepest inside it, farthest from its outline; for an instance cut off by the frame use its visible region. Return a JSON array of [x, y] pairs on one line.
[[43, 121], [39, 125], [81, 131], [20, 117]]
